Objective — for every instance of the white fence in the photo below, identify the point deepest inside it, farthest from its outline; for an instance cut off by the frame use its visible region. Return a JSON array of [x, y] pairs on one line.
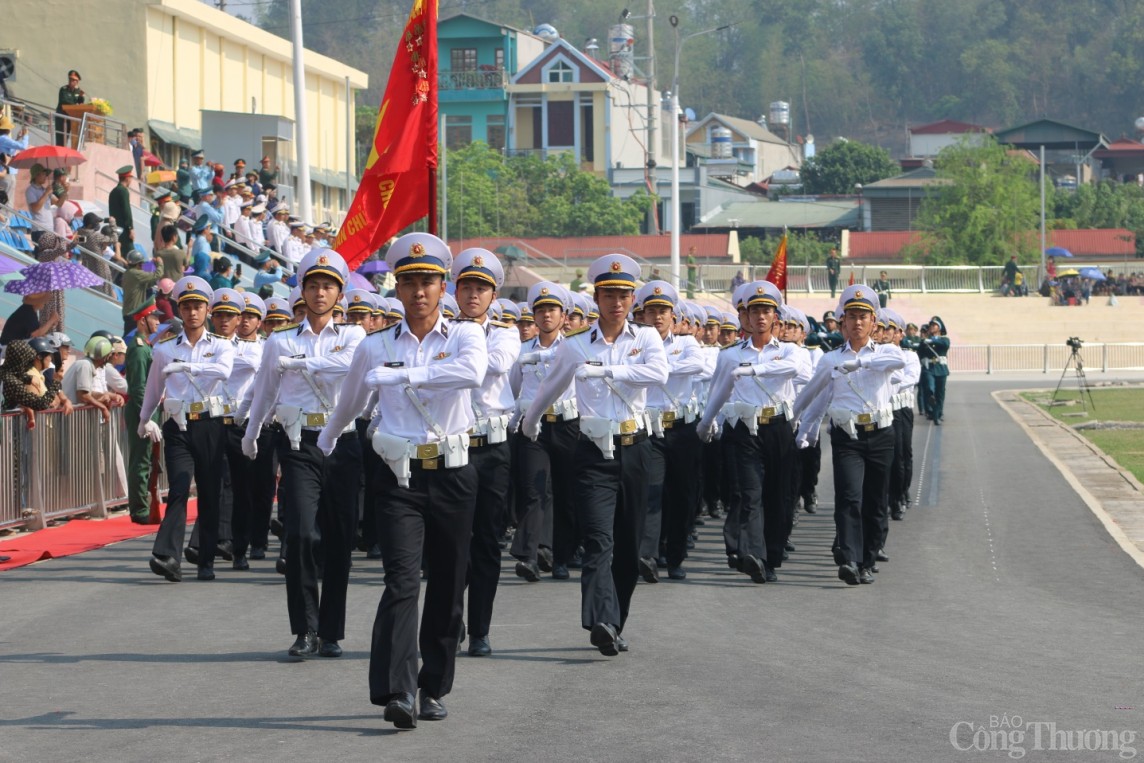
[[1045, 358]]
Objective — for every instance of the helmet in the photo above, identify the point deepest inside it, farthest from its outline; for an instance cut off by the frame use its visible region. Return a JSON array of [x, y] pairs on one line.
[[97, 347], [41, 345]]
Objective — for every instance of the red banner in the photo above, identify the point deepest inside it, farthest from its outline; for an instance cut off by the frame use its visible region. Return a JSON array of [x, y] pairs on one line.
[[395, 185], [777, 273]]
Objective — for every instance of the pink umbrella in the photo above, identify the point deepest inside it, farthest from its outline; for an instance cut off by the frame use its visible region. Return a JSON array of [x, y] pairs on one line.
[[52, 157]]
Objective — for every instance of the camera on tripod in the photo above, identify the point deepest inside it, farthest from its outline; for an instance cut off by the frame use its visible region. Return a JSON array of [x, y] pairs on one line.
[[1074, 342]]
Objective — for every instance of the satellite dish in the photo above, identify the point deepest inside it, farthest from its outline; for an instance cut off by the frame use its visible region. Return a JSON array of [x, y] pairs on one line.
[[689, 115]]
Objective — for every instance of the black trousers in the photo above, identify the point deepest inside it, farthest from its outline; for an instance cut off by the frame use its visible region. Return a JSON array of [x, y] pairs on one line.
[[713, 488], [491, 463], [902, 472], [545, 477], [728, 447], [611, 502], [263, 476], [433, 515], [371, 474], [763, 463], [227, 494], [861, 477], [809, 463], [196, 453], [320, 496], [673, 501]]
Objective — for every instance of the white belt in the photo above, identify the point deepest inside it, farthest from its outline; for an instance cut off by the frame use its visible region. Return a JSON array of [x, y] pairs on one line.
[[561, 410], [904, 399], [852, 421]]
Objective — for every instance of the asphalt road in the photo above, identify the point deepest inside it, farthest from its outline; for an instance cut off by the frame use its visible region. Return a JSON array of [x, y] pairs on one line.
[[1004, 597]]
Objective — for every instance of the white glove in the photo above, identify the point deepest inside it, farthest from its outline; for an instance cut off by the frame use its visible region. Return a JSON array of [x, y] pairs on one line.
[[741, 371], [250, 447], [386, 377], [327, 442], [593, 372], [707, 433], [529, 358], [289, 364], [802, 442], [177, 367], [149, 430], [530, 428], [848, 366]]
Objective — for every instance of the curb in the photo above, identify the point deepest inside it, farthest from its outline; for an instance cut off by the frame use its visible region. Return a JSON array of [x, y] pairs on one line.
[[1130, 492]]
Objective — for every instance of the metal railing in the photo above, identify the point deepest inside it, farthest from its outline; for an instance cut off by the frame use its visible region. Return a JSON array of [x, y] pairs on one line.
[[1044, 358], [478, 79], [65, 466], [91, 128]]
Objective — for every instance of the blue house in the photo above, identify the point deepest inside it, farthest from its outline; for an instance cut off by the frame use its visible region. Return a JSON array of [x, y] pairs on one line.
[[477, 58]]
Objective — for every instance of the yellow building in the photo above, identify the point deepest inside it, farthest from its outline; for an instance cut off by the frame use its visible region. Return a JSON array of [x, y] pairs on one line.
[[160, 63]]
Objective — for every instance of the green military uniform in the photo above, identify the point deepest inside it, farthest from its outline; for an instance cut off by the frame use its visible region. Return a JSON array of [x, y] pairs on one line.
[[933, 352], [119, 207], [68, 97], [138, 448], [136, 283], [183, 181]]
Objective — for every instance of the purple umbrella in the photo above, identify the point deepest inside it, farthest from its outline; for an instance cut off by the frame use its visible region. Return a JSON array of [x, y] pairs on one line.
[[53, 276], [373, 266], [359, 281], [8, 265]]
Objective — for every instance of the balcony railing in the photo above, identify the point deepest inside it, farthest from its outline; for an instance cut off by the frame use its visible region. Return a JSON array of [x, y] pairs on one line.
[[477, 79]]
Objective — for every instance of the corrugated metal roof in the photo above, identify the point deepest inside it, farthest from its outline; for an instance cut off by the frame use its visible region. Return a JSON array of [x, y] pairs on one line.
[[708, 246], [840, 213]]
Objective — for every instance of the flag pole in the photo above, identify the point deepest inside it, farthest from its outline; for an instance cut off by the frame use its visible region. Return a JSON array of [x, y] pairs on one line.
[[433, 200]]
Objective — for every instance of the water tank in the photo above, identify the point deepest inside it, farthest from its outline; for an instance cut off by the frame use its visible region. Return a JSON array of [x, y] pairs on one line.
[[780, 113], [720, 143], [1139, 124], [546, 32], [621, 41]]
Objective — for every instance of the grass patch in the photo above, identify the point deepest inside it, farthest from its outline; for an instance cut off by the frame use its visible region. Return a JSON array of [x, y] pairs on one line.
[[1125, 446]]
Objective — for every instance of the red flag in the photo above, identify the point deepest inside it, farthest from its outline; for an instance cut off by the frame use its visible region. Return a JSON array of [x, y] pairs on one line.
[[777, 273], [851, 277], [395, 185]]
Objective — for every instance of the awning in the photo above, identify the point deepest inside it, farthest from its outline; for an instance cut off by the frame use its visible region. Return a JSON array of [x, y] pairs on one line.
[[176, 136]]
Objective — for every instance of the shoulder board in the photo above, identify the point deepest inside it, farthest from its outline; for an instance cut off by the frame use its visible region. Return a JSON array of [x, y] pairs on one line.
[[218, 336], [252, 341], [287, 327], [577, 332], [501, 324], [140, 342], [387, 328], [736, 343], [462, 319], [169, 339]]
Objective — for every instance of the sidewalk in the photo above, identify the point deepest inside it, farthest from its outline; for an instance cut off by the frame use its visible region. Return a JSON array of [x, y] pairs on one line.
[[1112, 493]]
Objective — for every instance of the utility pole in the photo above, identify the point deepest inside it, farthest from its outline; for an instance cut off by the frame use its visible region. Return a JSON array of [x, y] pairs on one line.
[[652, 105], [301, 134]]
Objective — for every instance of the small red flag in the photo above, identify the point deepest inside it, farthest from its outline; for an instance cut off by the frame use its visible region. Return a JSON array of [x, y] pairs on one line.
[[851, 277], [395, 187], [777, 273]]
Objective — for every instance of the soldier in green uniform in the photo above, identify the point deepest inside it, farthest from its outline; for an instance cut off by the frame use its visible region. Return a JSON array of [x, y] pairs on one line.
[[932, 352], [71, 94], [119, 207], [139, 448]]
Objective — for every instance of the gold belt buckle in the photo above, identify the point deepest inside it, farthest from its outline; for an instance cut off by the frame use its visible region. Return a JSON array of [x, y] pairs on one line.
[[194, 416], [869, 427], [315, 419], [198, 407], [668, 423], [550, 417], [227, 409], [627, 439], [768, 412], [764, 419], [628, 426], [668, 417], [428, 453], [865, 418], [429, 463]]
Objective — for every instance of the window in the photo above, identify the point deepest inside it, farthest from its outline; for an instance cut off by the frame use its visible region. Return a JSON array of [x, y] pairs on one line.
[[494, 131], [463, 59], [458, 131], [560, 72], [499, 58]]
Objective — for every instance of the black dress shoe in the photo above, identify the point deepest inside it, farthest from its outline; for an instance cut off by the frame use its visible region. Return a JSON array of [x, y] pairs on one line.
[[621, 643], [810, 504], [604, 638], [733, 562], [839, 559], [191, 554], [277, 528], [5, 559], [881, 556], [280, 565], [329, 649], [225, 549], [479, 646], [544, 559], [167, 567], [661, 562], [305, 645], [786, 555], [206, 573], [676, 573], [374, 552], [865, 576], [769, 573], [142, 519], [241, 563], [896, 512], [874, 569], [648, 570], [258, 552], [432, 709], [528, 570], [559, 572], [753, 566], [399, 712], [577, 560], [848, 573]]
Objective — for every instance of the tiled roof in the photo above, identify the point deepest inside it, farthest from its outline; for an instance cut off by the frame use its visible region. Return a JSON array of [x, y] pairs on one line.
[[887, 245], [583, 249], [879, 245]]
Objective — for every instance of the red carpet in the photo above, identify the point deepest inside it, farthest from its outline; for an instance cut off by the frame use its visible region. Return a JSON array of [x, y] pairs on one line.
[[74, 537]]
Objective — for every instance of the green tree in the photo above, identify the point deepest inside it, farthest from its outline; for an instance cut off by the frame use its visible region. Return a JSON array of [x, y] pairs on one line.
[[986, 210], [844, 163], [1104, 205]]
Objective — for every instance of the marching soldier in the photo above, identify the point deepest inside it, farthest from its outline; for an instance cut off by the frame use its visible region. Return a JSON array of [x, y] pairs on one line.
[[478, 274], [613, 363], [423, 369], [756, 376], [299, 381], [904, 381], [139, 449], [546, 535], [852, 386], [184, 371], [933, 353]]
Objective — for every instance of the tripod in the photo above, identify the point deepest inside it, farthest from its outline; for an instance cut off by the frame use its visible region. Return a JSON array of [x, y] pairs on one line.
[[1076, 362]]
